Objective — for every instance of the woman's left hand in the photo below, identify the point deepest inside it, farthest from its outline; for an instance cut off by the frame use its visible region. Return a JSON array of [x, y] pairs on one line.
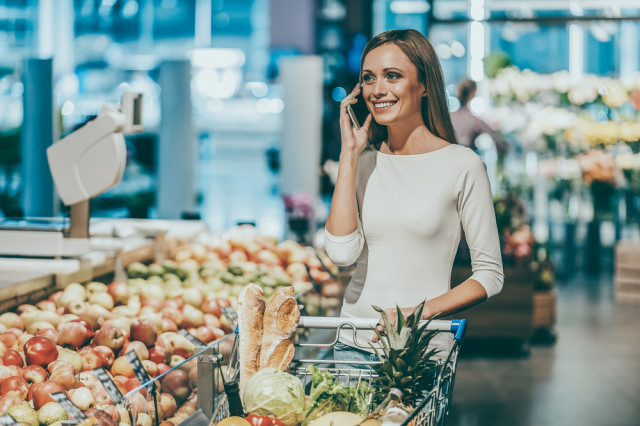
[[392, 314]]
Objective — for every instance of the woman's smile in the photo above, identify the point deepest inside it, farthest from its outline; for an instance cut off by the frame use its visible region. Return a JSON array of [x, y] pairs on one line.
[[382, 106]]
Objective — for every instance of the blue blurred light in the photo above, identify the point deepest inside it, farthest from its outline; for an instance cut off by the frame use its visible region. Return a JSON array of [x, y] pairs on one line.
[[454, 103], [338, 93]]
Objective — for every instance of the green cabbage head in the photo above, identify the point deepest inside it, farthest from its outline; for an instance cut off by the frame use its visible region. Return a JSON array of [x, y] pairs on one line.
[[272, 392]]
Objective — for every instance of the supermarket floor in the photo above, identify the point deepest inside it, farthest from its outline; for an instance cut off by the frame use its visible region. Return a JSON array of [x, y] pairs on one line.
[[589, 377]]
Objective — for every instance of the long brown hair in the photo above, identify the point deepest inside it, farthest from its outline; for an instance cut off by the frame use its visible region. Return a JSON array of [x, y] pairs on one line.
[[435, 111]]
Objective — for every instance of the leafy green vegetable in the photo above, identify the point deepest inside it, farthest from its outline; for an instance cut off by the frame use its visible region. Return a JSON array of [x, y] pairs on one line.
[[274, 393], [328, 396]]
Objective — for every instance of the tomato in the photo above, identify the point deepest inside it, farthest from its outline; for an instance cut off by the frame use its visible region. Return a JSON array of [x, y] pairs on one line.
[[263, 420]]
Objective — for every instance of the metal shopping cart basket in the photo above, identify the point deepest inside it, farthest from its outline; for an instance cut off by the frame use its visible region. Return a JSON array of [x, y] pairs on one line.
[[431, 410]]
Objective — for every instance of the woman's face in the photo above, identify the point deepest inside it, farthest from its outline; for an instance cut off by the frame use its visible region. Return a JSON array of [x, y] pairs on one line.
[[391, 88]]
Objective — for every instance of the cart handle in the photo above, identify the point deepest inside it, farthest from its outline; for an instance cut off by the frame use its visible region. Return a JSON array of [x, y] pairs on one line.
[[458, 327]]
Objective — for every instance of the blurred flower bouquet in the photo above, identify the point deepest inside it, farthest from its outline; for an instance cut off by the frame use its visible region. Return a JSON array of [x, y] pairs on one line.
[[299, 213], [518, 244], [600, 175]]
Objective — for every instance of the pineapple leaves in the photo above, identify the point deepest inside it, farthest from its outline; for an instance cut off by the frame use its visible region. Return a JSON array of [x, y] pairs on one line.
[[400, 319]]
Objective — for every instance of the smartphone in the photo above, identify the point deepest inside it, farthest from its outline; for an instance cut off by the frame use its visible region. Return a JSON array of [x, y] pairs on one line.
[[358, 112]]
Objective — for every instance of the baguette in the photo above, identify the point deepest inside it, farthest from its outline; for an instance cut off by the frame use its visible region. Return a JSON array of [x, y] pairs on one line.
[[251, 306], [281, 318]]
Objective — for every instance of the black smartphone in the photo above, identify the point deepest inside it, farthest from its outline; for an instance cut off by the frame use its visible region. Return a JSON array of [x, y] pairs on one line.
[[358, 112]]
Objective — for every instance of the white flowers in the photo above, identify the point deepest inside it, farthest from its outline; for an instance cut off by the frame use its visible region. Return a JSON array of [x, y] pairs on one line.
[[526, 85]]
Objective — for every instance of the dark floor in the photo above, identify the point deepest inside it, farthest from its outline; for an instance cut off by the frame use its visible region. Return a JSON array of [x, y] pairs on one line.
[[589, 377]]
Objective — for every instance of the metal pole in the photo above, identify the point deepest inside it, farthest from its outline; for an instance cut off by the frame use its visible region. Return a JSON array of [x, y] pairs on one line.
[[37, 136]]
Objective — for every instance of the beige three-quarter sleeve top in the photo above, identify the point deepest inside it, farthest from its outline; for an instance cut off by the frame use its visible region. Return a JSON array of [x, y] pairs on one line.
[[412, 212]]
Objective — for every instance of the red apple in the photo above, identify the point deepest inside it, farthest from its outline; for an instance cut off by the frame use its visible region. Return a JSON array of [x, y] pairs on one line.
[[210, 306], [15, 331], [64, 374], [144, 331], [8, 339], [103, 418], [5, 372], [111, 410], [121, 367], [192, 317], [22, 340], [169, 405], [106, 355], [150, 367], [223, 302], [26, 308], [11, 320], [139, 347], [34, 374], [160, 353], [40, 393], [109, 336], [120, 383], [82, 398], [212, 321], [204, 334], [12, 357], [7, 402], [49, 333], [176, 383], [73, 334], [46, 305], [163, 368], [40, 351], [169, 325], [155, 304], [90, 361], [15, 386], [76, 307], [119, 291]]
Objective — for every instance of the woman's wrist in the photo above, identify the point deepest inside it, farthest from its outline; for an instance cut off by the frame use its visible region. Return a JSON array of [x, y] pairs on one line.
[[348, 157]]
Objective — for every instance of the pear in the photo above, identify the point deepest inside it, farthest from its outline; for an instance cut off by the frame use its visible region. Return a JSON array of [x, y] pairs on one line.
[[50, 413], [24, 414]]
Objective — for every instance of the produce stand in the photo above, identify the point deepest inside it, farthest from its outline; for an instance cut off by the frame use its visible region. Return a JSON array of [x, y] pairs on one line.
[[37, 284]]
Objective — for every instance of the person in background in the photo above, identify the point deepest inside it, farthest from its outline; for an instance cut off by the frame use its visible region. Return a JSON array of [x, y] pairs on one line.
[[468, 126], [404, 194]]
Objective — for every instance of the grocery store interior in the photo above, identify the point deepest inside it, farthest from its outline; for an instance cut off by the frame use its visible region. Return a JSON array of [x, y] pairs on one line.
[[189, 148]]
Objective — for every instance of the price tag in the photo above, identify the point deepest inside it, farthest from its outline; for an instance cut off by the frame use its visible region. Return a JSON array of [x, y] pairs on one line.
[[68, 406], [7, 420], [138, 368], [190, 337], [230, 315], [109, 386]]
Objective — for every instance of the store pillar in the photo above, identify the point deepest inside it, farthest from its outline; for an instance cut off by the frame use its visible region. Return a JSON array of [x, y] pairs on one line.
[[301, 78], [37, 136], [177, 149]]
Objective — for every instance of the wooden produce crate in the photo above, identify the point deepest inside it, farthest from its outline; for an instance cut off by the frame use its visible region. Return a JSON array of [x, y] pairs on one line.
[[544, 309], [627, 271], [507, 315]]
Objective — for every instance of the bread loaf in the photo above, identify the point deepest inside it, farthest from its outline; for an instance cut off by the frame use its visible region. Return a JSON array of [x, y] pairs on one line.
[[281, 318], [251, 308]]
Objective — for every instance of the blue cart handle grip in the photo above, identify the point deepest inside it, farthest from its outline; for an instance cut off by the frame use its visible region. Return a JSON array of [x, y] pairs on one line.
[[459, 327]]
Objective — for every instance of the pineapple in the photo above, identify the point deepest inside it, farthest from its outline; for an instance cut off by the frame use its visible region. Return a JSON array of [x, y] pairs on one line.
[[404, 359]]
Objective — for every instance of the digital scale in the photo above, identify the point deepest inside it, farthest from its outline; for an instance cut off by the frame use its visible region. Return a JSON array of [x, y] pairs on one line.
[[83, 165]]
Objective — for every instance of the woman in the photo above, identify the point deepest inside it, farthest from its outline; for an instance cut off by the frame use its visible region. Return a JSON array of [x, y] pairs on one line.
[[401, 203]]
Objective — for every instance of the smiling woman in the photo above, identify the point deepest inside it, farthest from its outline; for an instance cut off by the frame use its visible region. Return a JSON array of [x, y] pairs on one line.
[[405, 192]]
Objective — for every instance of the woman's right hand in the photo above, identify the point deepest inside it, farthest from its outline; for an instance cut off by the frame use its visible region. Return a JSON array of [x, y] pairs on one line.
[[353, 140]]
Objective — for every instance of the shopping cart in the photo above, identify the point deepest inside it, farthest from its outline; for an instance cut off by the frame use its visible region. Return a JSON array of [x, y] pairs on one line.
[[431, 410]]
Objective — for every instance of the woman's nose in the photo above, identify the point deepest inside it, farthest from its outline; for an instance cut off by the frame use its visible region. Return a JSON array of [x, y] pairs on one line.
[[379, 89]]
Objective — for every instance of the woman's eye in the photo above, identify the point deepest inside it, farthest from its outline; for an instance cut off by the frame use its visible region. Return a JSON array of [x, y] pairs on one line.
[[367, 78], [393, 76]]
